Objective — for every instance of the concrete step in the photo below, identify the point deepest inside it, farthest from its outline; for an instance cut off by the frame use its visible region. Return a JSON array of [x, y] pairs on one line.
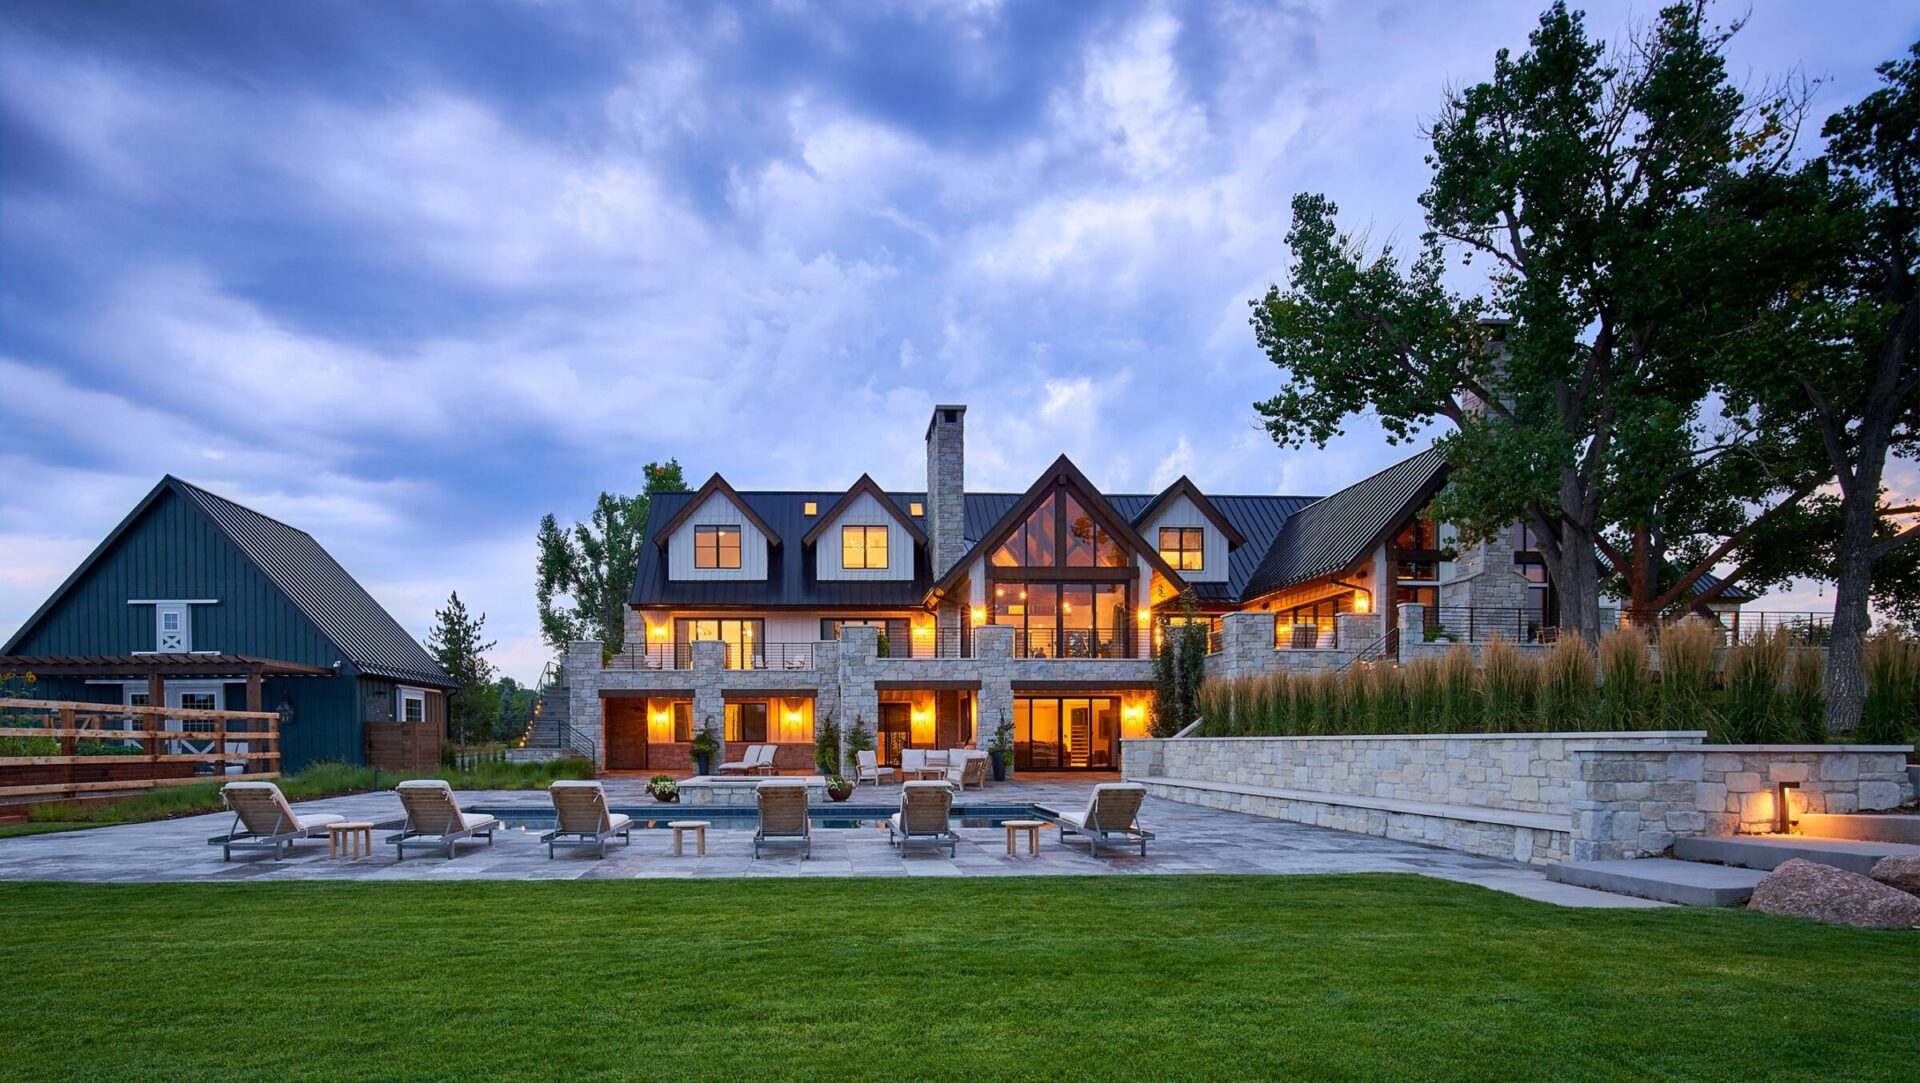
[[1765, 852], [1880, 827], [1685, 882]]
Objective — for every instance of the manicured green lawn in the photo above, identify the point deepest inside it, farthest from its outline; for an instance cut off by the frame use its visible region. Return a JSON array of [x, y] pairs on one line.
[[1156, 976]]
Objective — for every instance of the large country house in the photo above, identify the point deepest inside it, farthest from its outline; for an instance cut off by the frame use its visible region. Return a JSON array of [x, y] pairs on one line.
[[196, 602], [930, 616]]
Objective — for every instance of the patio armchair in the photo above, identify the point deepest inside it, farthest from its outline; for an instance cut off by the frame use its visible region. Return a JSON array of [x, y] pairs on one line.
[[434, 819], [262, 820], [913, 761], [966, 767], [1113, 812], [866, 768], [581, 815], [747, 764], [783, 815], [925, 815]]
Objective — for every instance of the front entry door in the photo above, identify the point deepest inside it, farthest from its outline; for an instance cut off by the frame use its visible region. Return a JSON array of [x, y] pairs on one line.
[[896, 729]]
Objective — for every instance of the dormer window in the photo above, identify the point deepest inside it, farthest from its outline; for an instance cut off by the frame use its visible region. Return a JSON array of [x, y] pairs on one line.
[[716, 547], [863, 547], [916, 509], [810, 509], [1183, 547]]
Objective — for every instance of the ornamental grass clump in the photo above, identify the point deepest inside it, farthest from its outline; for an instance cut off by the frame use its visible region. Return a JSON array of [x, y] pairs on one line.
[[1567, 687], [1626, 683], [1755, 707], [1421, 685], [1459, 699], [1508, 681], [1891, 714], [1806, 694], [1686, 678]]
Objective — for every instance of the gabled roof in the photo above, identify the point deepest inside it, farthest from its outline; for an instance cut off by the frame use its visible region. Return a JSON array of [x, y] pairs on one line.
[[364, 632], [1183, 487], [715, 484], [1336, 531], [1061, 472], [866, 485]]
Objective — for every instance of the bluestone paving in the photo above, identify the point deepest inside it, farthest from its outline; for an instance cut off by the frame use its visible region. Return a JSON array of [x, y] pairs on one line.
[[1189, 839]]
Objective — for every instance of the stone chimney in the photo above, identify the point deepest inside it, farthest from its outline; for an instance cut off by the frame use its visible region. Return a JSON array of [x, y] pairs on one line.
[[946, 487]]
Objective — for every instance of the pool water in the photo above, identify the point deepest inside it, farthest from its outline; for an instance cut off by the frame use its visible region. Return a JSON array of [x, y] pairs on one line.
[[725, 817]]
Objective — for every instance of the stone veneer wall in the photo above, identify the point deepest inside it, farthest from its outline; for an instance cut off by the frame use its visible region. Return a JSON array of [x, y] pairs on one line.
[[1632, 802], [1530, 797]]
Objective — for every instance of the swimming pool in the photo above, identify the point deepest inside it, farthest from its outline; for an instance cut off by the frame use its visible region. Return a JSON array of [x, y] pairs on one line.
[[725, 817]]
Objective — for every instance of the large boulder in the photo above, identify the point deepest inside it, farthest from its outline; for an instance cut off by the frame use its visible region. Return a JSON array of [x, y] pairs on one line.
[[1804, 889], [1900, 872]]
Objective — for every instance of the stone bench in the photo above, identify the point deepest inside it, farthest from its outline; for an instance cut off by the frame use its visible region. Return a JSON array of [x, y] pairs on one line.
[[1536, 837]]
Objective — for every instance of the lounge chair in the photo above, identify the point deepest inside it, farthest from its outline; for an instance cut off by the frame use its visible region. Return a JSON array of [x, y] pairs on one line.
[[783, 815], [1113, 812], [866, 768], [748, 763], [924, 816], [262, 820], [581, 814], [433, 814], [765, 766]]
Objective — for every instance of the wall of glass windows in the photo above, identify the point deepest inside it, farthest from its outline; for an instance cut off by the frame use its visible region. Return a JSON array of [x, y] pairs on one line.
[[1066, 620], [745, 638]]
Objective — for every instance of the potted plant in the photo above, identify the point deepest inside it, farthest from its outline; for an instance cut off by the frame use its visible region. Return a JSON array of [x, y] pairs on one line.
[[886, 646], [703, 746], [1000, 749], [857, 740], [826, 746], [839, 789], [663, 788]]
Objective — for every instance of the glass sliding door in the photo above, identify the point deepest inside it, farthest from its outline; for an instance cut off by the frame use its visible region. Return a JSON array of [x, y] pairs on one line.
[[1070, 733], [745, 638]]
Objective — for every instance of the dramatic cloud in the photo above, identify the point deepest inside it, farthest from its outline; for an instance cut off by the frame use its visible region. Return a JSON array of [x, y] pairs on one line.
[[410, 276]]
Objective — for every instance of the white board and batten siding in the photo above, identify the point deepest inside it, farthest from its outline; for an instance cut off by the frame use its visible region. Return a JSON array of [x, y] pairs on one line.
[[864, 511], [1181, 512], [717, 510]]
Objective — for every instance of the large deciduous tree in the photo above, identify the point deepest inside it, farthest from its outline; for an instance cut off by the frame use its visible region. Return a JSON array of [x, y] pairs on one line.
[[586, 574], [1848, 372], [456, 643], [1580, 178]]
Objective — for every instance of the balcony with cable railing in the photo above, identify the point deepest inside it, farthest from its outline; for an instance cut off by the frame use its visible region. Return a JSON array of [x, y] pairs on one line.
[[745, 656]]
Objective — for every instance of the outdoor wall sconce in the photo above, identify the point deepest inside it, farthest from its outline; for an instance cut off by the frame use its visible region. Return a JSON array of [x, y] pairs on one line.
[[1783, 812]]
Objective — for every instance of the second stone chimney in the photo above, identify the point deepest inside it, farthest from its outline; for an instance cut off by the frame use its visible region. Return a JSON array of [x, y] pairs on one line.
[[946, 487]]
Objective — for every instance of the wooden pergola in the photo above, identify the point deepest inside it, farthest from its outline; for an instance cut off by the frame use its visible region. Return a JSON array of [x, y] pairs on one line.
[[155, 669]]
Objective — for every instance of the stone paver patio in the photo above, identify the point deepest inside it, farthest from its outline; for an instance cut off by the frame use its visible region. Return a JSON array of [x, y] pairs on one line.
[[1189, 839]]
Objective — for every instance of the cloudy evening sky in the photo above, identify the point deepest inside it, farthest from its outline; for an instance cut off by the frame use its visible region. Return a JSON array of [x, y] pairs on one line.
[[410, 275]]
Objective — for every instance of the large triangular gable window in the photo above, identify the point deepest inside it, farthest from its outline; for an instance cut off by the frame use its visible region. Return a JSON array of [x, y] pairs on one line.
[[1059, 533]]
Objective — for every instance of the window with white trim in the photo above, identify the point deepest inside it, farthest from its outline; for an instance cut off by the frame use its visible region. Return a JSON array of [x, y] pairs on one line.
[[171, 632], [412, 705]]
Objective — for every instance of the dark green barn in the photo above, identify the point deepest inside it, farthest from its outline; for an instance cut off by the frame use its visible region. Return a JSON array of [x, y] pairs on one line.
[[211, 604]]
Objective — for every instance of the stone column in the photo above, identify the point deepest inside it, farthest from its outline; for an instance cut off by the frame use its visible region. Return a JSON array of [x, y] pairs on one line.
[[582, 668], [1413, 627], [1356, 631], [709, 704], [993, 653], [1248, 645], [858, 658]]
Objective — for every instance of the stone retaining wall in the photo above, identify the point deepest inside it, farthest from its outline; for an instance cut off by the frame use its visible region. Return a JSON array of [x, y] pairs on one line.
[[1633, 802], [1531, 797]]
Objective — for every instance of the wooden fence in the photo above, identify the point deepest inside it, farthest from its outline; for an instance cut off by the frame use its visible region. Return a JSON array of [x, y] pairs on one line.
[[409, 747], [156, 756]]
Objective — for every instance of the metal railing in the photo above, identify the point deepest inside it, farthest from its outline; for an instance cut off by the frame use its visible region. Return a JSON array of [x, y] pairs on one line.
[[1384, 649], [949, 642], [1071, 643], [738, 656], [1480, 624]]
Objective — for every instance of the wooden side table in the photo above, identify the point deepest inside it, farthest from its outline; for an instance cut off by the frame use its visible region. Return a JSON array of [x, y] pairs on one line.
[[1031, 827], [352, 840], [699, 829]]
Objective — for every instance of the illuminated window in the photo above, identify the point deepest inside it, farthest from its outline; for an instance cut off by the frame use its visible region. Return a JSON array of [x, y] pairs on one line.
[[916, 509], [716, 547], [863, 547], [1183, 547], [811, 508]]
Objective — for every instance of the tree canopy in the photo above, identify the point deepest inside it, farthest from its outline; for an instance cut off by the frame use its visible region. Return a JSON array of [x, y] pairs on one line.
[[456, 643], [585, 575]]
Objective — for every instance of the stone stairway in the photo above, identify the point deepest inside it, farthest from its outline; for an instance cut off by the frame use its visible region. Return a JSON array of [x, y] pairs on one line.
[[1720, 871]]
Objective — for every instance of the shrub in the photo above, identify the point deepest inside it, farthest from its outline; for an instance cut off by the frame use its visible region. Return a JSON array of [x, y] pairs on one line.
[[1686, 677], [1507, 680], [1891, 713], [1755, 708], [1626, 690], [1567, 686], [826, 746]]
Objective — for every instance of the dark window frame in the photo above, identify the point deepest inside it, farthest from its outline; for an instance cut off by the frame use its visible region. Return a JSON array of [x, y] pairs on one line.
[[1189, 541], [702, 547], [867, 534]]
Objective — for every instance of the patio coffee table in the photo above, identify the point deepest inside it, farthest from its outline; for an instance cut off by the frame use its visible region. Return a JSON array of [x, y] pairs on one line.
[[351, 840], [699, 829], [1031, 827]]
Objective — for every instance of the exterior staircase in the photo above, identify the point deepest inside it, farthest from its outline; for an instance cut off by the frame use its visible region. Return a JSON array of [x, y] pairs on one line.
[[1721, 871], [550, 734]]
